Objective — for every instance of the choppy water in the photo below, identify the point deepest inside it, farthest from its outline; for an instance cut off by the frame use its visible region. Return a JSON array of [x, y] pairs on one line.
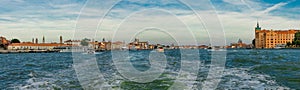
[[245, 69]]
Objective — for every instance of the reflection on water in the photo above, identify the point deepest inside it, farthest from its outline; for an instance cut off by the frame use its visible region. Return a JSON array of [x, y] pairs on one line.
[[245, 69]]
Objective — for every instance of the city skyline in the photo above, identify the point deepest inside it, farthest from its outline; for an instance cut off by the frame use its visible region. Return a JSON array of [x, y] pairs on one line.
[[34, 19]]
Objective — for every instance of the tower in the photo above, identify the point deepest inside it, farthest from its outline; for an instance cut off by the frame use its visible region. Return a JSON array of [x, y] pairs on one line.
[[43, 39], [136, 40], [257, 26], [103, 40], [60, 39], [240, 41], [36, 40]]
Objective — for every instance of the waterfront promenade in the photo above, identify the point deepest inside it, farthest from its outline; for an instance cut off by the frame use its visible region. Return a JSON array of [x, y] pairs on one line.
[[27, 51]]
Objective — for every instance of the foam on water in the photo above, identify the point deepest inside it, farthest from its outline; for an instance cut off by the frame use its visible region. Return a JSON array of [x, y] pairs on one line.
[[240, 78], [38, 84]]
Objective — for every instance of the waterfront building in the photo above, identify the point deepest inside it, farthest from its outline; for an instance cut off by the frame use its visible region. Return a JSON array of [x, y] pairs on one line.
[[239, 44], [35, 46], [152, 46], [272, 38], [137, 44], [3, 43], [73, 42], [203, 47], [94, 44], [118, 45], [105, 45]]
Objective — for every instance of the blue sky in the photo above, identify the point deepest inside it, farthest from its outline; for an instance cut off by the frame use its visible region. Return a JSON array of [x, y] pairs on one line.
[[27, 19]]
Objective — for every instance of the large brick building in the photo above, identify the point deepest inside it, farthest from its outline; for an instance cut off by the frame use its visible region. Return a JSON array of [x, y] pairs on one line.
[[272, 38]]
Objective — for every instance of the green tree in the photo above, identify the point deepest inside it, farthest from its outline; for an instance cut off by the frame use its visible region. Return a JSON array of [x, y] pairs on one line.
[[253, 42], [296, 40], [297, 43], [288, 44], [297, 36], [15, 41], [85, 42]]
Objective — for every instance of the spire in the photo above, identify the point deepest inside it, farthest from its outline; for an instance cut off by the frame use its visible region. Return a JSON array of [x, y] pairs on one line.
[[257, 26]]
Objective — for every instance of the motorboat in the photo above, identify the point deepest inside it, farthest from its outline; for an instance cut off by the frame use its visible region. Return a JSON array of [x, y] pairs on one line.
[[160, 49]]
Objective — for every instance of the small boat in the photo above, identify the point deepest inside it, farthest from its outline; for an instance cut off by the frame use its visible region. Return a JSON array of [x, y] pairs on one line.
[[279, 46], [160, 49], [89, 51], [124, 48], [216, 49]]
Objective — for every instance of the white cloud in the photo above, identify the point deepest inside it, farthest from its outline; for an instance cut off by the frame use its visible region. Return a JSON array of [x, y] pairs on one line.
[[274, 7], [235, 2]]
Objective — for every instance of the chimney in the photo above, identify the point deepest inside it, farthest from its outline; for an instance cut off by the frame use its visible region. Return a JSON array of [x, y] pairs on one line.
[[61, 39], [32, 40], [36, 40]]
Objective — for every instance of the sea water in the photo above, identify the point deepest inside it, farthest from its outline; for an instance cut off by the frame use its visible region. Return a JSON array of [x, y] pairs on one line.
[[244, 69]]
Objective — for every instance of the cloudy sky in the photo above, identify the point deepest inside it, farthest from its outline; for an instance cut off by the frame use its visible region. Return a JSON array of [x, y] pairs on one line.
[[159, 21]]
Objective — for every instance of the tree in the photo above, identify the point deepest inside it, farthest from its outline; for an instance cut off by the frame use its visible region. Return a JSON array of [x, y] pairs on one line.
[[15, 41], [288, 44], [296, 40], [297, 43], [253, 42], [297, 36], [85, 42]]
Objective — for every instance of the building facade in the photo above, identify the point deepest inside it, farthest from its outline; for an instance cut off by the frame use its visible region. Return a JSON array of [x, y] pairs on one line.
[[34, 46], [3, 43], [239, 44], [272, 38], [137, 44]]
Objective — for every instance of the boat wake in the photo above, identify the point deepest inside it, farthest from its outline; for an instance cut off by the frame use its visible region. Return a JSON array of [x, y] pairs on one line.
[[240, 78]]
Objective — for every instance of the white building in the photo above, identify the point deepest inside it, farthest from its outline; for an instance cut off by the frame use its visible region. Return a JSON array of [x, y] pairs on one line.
[[34, 46]]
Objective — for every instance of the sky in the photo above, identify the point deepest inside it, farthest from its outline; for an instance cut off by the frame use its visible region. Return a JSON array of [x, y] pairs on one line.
[[156, 21]]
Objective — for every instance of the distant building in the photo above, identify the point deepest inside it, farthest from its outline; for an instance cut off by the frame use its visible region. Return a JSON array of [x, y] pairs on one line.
[[239, 44], [272, 38], [105, 45], [73, 42], [203, 47], [118, 45], [3, 43], [136, 44], [34, 46]]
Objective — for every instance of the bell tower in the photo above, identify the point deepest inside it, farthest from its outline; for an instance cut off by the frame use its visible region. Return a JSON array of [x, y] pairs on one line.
[[257, 26]]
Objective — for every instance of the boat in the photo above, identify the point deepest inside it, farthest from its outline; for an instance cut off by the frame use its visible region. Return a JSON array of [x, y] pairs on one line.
[[90, 52], [160, 49], [279, 46], [69, 49], [216, 49]]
